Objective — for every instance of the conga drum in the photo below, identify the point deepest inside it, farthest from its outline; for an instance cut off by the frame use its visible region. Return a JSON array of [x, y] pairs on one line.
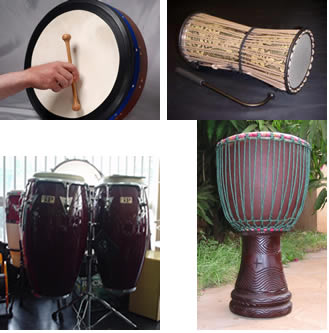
[[13, 203], [122, 231], [281, 58], [54, 225], [108, 50], [262, 180]]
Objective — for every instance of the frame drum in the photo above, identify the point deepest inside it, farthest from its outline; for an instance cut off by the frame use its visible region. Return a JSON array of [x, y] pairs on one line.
[[122, 231], [13, 203], [83, 168], [109, 52], [54, 227]]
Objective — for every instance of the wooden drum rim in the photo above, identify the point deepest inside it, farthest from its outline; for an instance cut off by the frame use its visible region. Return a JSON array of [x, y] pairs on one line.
[[143, 66]]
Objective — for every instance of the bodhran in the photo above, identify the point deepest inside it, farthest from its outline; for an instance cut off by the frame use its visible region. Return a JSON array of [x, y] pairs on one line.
[[54, 225], [122, 231], [262, 181], [13, 202], [109, 52], [281, 58]]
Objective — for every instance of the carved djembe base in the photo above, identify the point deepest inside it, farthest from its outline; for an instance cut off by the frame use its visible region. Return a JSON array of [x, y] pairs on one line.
[[261, 289]]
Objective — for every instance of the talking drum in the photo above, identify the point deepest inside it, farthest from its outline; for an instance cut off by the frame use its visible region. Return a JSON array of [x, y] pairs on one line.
[[262, 181], [122, 231], [281, 58], [54, 225], [13, 203], [108, 50]]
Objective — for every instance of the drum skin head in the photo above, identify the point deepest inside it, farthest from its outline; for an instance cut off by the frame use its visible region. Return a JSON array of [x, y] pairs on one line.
[[300, 60], [89, 172], [124, 179], [59, 176], [93, 47]]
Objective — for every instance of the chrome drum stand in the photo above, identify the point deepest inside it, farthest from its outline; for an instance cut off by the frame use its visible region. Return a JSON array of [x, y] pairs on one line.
[[83, 312]]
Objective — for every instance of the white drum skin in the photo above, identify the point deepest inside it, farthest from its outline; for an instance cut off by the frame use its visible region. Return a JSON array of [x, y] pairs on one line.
[[300, 60], [93, 47]]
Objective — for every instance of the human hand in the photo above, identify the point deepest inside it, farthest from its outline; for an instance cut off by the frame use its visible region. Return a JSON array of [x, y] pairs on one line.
[[55, 76]]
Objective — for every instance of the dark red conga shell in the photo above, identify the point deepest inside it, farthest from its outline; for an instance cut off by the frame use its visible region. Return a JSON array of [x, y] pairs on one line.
[[122, 232], [54, 232], [13, 203]]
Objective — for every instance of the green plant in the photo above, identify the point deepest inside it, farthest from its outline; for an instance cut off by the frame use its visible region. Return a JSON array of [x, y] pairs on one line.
[[315, 132], [207, 202]]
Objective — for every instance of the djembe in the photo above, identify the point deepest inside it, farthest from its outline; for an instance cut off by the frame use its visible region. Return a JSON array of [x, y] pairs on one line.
[[262, 181], [281, 58]]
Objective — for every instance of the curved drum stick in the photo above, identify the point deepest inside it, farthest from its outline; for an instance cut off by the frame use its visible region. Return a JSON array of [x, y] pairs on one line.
[[76, 104], [203, 83]]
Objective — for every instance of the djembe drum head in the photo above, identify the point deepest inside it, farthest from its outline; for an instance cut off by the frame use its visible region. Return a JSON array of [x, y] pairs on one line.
[[109, 52]]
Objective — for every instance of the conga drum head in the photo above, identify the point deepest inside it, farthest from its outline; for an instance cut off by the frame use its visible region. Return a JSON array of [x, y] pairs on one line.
[[109, 52], [59, 176], [88, 171], [121, 179]]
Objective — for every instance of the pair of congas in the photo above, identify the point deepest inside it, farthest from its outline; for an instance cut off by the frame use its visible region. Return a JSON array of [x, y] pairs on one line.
[[56, 210], [262, 181], [109, 52]]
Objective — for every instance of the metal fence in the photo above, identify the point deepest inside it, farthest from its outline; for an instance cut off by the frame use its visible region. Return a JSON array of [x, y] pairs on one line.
[[16, 170]]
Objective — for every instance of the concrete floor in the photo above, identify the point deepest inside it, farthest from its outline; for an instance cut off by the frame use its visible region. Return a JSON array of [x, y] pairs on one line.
[[307, 281]]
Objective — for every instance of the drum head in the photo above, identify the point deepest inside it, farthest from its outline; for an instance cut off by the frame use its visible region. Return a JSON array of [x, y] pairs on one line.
[[89, 172], [300, 61], [108, 51], [120, 179], [59, 176]]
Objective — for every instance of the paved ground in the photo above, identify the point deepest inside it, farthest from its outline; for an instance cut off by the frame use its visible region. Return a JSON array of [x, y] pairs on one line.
[[307, 281]]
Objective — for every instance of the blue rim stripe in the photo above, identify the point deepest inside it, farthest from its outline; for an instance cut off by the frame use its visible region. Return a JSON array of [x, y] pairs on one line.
[[137, 67]]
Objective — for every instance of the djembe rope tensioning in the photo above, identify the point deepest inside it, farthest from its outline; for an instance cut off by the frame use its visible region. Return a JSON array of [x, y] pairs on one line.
[[262, 181]]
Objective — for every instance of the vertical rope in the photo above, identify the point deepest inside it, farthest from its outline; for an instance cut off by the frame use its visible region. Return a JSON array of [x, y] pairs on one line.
[[289, 159]]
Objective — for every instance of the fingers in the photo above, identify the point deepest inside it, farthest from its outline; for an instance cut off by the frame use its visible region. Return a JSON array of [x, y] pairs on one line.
[[62, 81], [56, 87], [72, 69], [67, 75]]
